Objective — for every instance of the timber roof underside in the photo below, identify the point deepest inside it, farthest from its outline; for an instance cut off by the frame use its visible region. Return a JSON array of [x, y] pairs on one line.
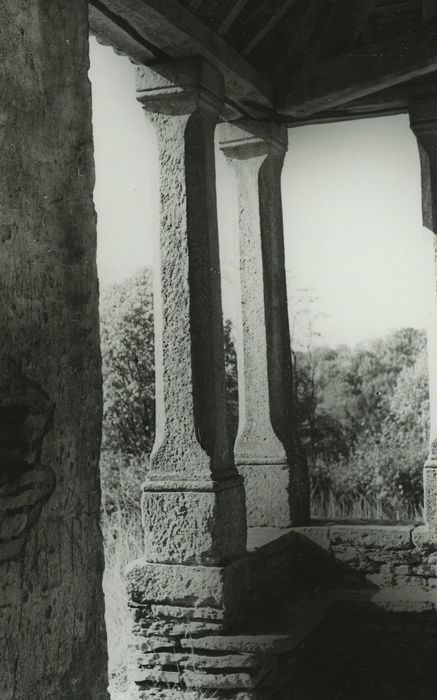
[[296, 61]]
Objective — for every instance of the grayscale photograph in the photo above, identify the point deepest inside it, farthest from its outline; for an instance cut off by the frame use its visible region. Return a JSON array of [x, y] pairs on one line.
[[218, 350]]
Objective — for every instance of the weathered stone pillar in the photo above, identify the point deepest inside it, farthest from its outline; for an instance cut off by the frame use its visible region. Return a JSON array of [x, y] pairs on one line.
[[52, 638], [266, 448], [423, 122], [191, 579]]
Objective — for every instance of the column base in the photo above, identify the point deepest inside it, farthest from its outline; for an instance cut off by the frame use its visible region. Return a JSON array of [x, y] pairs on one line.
[[177, 606], [267, 489], [198, 523]]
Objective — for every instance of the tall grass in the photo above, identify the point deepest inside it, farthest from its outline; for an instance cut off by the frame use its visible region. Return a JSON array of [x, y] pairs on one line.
[[123, 540], [334, 507]]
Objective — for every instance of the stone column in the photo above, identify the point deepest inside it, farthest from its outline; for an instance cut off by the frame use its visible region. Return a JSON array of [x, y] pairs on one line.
[[52, 640], [191, 578], [423, 122], [266, 448]]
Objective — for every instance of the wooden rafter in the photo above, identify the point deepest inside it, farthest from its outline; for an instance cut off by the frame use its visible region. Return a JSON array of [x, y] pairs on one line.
[[119, 33], [173, 31], [232, 16], [268, 26], [357, 73]]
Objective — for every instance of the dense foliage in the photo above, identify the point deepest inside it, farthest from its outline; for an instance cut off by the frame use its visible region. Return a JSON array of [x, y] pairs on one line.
[[362, 413], [363, 416], [127, 342]]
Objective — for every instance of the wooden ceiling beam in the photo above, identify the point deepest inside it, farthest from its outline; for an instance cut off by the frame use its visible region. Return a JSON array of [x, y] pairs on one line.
[[339, 115], [356, 74], [172, 31], [391, 101]]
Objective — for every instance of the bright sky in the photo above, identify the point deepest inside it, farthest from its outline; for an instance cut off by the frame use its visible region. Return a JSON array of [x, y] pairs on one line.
[[351, 195]]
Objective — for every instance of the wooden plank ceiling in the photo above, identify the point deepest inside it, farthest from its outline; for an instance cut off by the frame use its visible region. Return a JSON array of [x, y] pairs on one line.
[[297, 61]]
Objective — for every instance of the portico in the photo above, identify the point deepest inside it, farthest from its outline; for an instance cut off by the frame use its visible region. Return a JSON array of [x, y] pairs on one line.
[[236, 582]]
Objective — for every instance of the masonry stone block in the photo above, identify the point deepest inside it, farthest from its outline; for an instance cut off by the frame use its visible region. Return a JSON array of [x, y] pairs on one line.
[[194, 526], [372, 536], [266, 485], [201, 587]]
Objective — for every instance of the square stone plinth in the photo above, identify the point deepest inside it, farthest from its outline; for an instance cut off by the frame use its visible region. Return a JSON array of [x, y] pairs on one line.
[[194, 527], [430, 494], [202, 587], [267, 494]]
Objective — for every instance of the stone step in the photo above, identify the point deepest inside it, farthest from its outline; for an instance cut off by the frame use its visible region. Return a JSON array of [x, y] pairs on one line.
[[196, 661], [196, 678]]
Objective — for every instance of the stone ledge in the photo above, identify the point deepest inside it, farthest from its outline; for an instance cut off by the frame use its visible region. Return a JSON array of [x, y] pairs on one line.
[[408, 598], [372, 536], [179, 585], [244, 643], [332, 533], [261, 537], [190, 660]]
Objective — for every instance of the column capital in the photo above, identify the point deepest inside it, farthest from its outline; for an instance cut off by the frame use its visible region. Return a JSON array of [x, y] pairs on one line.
[[248, 138], [180, 86], [423, 123], [423, 119]]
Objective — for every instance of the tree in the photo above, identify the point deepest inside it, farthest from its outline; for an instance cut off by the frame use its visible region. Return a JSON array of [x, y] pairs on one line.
[[363, 417], [127, 342]]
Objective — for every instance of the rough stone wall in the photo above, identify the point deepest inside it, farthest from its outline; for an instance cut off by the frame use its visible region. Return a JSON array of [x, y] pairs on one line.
[[52, 642], [396, 564]]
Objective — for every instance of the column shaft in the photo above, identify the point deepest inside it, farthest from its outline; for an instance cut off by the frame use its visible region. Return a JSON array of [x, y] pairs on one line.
[[266, 449], [423, 121], [53, 639], [192, 471]]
